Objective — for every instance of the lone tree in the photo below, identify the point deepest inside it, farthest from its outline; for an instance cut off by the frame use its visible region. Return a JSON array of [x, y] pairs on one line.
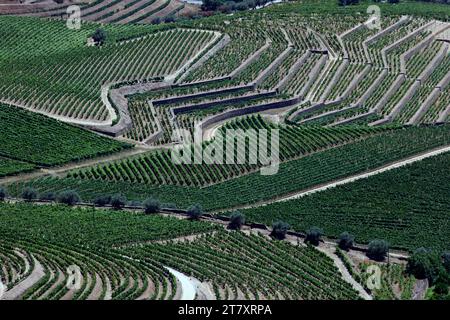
[[237, 219], [425, 264], [378, 250], [195, 212], [152, 205], [346, 241], [279, 230], [313, 236], [69, 197], [102, 200], [118, 201], [2, 194], [99, 37], [29, 194]]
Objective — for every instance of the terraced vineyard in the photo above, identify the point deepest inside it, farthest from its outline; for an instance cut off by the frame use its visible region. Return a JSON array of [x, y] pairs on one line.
[[295, 175], [310, 113]]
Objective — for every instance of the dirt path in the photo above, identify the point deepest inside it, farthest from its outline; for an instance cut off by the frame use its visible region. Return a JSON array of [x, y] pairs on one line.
[[350, 179]]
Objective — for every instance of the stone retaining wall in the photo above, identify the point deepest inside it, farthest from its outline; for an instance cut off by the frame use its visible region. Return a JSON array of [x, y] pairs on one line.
[[399, 42], [362, 100], [263, 75], [444, 114], [177, 99], [351, 119], [329, 113], [312, 108], [434, 63], [251, 59], [408, 95], [355, 82]]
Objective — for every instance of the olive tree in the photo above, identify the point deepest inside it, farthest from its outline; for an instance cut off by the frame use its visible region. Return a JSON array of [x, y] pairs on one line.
[[346, 241], [29, 194], [118, 201], [69, 197], [2, 194]]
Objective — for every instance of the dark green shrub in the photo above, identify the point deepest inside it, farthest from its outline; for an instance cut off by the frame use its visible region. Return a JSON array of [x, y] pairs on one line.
[[118, 201], [102, 201], [48, 196], [424, 264], [2, 194], [99, 36]]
